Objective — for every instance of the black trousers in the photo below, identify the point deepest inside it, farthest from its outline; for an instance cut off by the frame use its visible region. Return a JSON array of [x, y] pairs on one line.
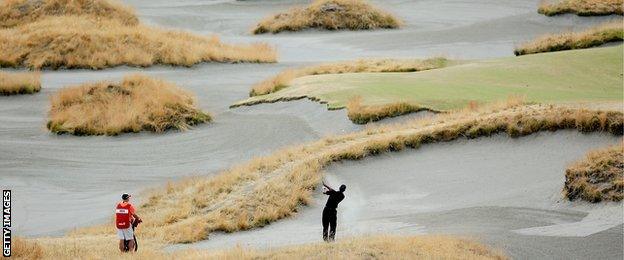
[[329, 221]]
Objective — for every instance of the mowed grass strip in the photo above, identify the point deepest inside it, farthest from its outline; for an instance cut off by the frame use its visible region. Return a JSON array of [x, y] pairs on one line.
[[365, 247], [93, 34], [567, 76], [284, 78], [19, 83], [597, 177], [605, 33], [270, 188], [329, 15], [135, 104], [581, 7]]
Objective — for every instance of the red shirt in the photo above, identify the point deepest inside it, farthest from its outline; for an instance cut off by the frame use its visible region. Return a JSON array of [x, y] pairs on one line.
[[123, 215]]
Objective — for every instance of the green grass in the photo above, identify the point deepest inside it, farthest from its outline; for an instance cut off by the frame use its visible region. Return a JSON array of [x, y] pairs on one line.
[[567, 76]]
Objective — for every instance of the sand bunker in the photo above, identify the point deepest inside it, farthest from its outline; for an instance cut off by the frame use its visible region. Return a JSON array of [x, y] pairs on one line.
[[466, 187], [270, 188]]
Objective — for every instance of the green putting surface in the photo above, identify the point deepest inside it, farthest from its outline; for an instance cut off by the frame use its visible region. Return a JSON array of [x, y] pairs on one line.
[[566, 76]]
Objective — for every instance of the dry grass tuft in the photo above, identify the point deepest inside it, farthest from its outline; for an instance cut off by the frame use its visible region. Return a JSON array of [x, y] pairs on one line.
[[595, 36], [329, 15], [581, 7], [362, 114], [284, 78], [97, 34], [26, 249], [377, 247], [19, 12], [20, 83], [82, 42], [137, 103], [598, 177], [274, 187]]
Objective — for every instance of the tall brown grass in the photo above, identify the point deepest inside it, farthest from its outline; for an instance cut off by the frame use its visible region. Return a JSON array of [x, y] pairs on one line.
[[25, 249], [281, 80], [595, 36], [137, 103], [374, 247], [98, 34], [274, 187], [386, 247], [19, 12], [363, 114], [82, 42], [20, 83], [329, 15], [597, 177], [581, 7]]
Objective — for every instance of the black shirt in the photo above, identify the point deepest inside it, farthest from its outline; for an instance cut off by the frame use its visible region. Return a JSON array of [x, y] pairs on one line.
[[335, 197]]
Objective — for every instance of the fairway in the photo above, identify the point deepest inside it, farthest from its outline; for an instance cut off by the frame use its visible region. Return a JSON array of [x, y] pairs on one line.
[[567, 76]]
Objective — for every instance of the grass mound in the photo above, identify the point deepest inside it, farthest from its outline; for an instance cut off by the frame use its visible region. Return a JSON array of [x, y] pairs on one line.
[[79, 42], [596, 36], [19, 83], [274, 187], [137, 103], [89, 34], [19, 12], [597, 177], [329, 15], [362, 114], [591, 75], [581, 7], [376, 247], [283, 79]]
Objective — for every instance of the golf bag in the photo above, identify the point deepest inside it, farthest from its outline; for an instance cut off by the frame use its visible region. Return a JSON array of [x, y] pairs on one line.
[[135, 223]]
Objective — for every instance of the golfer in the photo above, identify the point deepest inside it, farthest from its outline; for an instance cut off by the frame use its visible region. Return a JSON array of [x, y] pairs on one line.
[[330, 213]]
